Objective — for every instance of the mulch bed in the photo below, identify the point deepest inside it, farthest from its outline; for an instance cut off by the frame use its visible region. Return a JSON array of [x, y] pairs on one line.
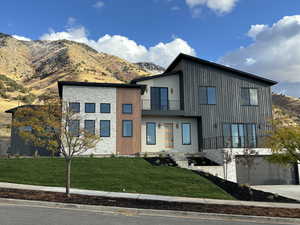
[[148, 204], [243, 193]]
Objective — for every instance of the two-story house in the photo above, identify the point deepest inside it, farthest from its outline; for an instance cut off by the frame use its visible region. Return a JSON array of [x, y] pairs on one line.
[[195, 107]]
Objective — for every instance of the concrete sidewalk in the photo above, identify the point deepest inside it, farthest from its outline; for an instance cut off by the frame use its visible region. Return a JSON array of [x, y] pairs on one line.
[[149, 197]]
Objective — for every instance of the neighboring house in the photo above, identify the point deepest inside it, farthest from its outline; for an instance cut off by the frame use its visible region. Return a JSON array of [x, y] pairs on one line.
[[18, 145]]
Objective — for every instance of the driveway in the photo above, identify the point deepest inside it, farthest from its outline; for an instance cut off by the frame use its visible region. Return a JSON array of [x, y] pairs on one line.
[[288, 191]]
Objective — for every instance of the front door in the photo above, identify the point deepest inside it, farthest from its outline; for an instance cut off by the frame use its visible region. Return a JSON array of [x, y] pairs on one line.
[[169, 135]]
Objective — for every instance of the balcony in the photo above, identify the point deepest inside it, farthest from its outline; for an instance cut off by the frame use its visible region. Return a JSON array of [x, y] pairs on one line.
[[170, 105], [233, 142]]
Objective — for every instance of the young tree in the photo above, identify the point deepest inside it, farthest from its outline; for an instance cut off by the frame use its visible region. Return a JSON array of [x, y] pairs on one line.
[[284, 140], [56, 127], [228, 157]]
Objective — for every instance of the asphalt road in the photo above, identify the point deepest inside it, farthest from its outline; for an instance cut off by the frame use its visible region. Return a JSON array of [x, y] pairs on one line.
[[28, 215]]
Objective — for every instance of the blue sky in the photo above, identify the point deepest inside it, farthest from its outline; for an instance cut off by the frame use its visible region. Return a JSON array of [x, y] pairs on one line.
[[157, 30]]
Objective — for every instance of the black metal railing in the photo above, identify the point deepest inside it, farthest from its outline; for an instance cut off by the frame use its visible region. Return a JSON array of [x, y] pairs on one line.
[[147, 104], [233, 142]]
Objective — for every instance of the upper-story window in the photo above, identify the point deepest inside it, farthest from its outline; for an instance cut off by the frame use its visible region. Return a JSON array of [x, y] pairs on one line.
[[207, 95], [105, 108], [159, 98], [249, 96], [74, 107], [127, 108], [90, 107]]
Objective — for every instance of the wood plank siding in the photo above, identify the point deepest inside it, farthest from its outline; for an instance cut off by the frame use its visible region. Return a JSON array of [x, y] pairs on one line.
[[228, 108], [129, 145]]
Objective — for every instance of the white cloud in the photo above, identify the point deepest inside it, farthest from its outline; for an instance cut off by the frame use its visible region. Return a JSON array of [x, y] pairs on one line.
[[21, 38], [220, 6], [98, 4], [274, 52], [71, 21], [161, 54]]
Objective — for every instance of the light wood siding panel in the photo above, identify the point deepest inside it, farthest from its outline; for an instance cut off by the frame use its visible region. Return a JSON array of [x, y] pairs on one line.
[[129, 145], [228, 93]]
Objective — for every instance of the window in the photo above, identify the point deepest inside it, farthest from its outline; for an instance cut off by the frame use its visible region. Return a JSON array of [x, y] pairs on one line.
[[74, 107], [89, 126], [105, 107], [127, 108], [239, 135], [186, 133], [249, 96], [74, 128], [104, 128], [159, 98], [207, 95], [89, 107], [127, 128], [151, 133]]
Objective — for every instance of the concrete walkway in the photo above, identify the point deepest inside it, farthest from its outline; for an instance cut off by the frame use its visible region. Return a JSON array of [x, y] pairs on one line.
[[288, 191], [149, 197]]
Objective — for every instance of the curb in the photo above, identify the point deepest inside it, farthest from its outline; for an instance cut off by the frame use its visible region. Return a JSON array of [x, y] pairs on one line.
[[150, 212]]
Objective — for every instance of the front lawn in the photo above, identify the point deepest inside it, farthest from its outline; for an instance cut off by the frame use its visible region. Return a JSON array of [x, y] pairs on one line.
[[133, 175]]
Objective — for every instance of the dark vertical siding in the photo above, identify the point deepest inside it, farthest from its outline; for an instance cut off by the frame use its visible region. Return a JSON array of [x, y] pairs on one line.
[[228, 91]]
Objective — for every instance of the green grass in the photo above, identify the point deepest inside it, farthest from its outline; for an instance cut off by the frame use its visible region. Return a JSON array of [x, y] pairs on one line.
[[133, 175]]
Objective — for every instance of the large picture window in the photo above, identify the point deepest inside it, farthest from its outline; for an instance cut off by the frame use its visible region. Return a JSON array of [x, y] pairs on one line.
[[207, 95], [104, 128], [249, 96], [127, 128], [240, 135], [186, 133], [151, 133]]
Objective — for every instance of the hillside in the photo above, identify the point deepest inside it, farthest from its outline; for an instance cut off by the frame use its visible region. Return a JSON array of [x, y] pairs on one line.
[[29, 69]]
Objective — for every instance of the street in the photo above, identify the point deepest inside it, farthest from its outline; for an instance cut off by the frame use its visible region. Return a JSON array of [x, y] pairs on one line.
[[11, 214]]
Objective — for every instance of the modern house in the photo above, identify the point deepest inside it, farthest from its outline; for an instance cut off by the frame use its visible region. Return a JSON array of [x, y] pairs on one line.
[[196, 108]]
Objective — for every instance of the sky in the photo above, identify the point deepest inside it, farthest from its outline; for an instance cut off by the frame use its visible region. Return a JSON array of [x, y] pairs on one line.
[[257, 36]]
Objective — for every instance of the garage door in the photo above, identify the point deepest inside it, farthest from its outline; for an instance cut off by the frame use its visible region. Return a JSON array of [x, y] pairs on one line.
[[264, 172]]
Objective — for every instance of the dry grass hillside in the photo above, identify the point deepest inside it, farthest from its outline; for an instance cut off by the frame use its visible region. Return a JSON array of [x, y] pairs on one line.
[[29, 69]]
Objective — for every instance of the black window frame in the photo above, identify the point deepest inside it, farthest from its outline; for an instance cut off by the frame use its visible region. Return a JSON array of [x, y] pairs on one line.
[[147, 142], [246, 135], [131, 108], [69, 128], [206, 95], [158, 105], [94, 128], [131, 122], [249, 96], [190, 126], [106, 104], [109, 128], [74, 103], [89, 103]]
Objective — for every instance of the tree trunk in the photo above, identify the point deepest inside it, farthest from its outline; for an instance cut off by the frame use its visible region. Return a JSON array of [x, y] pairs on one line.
[[68, 177]]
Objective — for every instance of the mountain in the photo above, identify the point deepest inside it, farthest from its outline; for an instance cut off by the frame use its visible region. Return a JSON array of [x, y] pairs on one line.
[[150, 67], [29, 69]]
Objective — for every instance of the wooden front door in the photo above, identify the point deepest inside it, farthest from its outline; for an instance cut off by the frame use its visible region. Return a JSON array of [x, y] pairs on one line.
[[169, 135]]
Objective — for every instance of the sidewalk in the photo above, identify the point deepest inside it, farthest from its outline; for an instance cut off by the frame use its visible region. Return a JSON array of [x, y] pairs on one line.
[[149, 197]]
